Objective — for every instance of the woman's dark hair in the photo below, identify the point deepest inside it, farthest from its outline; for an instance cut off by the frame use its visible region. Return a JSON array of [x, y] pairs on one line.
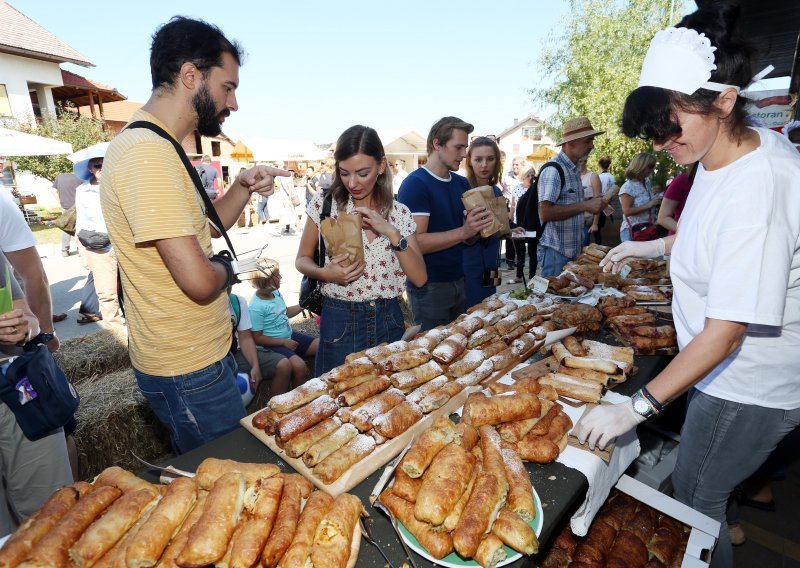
[[362, 140], [183, 39], [478, 142], [604, 162], [649, 112]]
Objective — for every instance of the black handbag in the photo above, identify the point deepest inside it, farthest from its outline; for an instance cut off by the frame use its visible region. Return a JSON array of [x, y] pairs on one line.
[[38, 393], [94, 240], [310, 289]]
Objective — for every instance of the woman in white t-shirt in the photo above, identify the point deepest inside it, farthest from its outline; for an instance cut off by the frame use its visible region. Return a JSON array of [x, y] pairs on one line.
[[735, 267], [636, 194], [360, 306]]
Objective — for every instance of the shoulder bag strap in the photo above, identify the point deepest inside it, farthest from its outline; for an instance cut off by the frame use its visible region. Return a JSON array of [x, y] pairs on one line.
[[326, 212], [210, 211]]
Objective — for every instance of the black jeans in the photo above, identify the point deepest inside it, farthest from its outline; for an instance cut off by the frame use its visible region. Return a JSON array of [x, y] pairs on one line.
[[519, 245]]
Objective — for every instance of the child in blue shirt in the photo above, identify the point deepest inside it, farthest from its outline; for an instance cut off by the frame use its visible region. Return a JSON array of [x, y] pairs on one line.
[[270, 323]]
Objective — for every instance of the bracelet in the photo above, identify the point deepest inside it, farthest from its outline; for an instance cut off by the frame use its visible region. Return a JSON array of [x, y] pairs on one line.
[[652, 400]]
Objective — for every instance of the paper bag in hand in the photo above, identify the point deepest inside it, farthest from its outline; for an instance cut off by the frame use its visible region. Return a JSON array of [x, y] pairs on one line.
[[482, 196], [500, 210], [343, 236]]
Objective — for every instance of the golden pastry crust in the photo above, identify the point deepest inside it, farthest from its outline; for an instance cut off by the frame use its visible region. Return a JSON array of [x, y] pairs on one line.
[[331, 548], [443, 484], [208, 540], [438, 544], [315, 509]]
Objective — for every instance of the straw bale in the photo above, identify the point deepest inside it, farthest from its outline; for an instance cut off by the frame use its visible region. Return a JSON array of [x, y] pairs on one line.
[[90, 355], [114, 419]]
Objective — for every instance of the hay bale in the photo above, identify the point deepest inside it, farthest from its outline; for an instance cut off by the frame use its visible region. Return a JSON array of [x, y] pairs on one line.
[[91, 355], [114, 419]]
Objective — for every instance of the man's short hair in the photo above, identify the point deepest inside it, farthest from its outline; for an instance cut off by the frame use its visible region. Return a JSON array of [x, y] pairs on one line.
[[184, 40], [442, 130], [206, 159], [604, 162]]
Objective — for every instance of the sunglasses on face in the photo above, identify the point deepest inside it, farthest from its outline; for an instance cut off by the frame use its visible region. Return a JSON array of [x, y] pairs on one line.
[[96, 166]]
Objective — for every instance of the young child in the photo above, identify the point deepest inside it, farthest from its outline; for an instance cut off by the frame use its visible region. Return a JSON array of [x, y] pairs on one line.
[[258, 363], [270, 321]]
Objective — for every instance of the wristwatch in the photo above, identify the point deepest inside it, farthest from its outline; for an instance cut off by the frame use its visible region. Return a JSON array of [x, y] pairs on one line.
[[642, 406], [42, 339], [401, 245]]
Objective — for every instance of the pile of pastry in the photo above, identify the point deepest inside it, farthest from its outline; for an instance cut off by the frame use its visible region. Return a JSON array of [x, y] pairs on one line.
[[580, 316], [584, 271], [461, 488], [625, 534], [230, 514], [586, 368], [638, 328], [334, 421], [526, 417]]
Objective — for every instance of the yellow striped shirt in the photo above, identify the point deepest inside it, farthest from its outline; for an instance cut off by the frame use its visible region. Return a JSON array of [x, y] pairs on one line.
[[147, 195]]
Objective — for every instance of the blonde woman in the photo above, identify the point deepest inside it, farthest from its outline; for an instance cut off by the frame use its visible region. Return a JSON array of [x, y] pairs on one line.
[[636, 194]]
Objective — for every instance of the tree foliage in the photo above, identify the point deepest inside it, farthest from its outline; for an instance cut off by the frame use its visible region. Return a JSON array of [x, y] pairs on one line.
[[67, 126], [595, 63]]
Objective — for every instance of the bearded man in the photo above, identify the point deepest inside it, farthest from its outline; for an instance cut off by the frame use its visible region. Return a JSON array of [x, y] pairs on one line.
[[174, 287]]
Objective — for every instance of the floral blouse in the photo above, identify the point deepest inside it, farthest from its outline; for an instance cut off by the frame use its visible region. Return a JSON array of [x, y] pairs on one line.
[[383, 277]]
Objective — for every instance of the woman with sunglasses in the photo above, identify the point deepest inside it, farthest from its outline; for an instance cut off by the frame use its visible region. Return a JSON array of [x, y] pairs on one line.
[[90, 228], [735, 266], [481, 258]]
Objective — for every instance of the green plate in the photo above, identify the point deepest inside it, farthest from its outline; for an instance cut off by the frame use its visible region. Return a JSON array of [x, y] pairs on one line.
[[453, 560]]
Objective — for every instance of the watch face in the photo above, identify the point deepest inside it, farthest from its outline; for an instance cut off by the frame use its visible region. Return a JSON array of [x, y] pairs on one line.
[[641, 407]]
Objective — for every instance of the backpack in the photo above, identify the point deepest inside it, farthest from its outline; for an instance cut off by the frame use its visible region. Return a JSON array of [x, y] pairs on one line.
[[237, 313], [528, 205]]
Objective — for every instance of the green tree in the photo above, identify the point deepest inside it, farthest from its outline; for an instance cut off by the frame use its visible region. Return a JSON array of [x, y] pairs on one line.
[[67, 126], [595, 63]]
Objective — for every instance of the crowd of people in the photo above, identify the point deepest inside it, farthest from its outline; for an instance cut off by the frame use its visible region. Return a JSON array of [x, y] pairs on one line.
[[139, 211]]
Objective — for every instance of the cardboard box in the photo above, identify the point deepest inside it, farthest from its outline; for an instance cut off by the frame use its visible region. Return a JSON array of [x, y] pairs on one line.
[[658, 476], [705, 530]]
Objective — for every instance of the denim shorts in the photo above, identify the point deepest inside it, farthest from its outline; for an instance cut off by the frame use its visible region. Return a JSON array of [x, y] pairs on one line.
[[196, 407], [303, 343], [348, 327]]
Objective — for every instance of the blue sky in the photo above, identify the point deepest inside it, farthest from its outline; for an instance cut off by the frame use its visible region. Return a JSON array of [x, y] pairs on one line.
[[315, 68]]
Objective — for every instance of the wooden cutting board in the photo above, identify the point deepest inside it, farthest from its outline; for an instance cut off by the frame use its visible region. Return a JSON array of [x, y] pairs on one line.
[[377, 459]]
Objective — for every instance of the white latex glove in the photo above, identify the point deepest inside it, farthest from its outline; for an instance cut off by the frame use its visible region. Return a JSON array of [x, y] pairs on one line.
[[617, 257], [605, 422]]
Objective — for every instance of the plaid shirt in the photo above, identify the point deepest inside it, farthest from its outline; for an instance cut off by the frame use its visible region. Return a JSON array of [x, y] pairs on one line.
[[566, 235]]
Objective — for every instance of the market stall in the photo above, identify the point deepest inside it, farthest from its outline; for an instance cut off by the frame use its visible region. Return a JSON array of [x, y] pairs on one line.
[[425, 429]]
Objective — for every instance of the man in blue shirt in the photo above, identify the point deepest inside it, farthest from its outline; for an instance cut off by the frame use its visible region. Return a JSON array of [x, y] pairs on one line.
[[433, 195], [561, 203]]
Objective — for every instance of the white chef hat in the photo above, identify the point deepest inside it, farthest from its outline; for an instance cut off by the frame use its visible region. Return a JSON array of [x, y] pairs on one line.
[[682, 59]]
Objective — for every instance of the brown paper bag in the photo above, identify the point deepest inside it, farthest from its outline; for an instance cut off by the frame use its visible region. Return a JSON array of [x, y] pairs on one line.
[[500, 210], [343, 236], [482, 196]]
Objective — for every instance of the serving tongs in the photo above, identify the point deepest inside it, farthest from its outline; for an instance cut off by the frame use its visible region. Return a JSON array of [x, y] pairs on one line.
[[366, 534], [168, 474], [376, 504]]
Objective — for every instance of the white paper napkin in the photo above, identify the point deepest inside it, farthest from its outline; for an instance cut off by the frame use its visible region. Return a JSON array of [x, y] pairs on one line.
[[602, 476]]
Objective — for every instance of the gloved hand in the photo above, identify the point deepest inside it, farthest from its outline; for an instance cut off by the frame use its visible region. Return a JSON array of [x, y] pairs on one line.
[[616, 257], [605, 422]]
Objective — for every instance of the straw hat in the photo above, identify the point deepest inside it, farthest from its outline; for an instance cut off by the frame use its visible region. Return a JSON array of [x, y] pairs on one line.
[[576, 128]]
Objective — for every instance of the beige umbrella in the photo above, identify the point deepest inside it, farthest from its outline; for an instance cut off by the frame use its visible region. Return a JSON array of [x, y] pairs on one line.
[[16, 143]]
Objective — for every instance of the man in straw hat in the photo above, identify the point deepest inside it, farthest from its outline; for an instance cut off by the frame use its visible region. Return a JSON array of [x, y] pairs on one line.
[[561, 203], [176, 304]]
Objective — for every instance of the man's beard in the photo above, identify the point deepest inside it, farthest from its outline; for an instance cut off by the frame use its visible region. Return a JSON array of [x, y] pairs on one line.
[[208, 123]]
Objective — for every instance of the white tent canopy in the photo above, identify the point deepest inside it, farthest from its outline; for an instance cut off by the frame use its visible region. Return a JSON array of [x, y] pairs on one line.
[[16, 143], [285, 150], [403, 141]]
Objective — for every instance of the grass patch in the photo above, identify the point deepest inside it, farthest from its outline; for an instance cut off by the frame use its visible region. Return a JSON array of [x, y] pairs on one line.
[[46, 235]]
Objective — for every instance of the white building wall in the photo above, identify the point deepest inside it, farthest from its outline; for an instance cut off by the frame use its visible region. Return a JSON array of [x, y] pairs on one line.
[[19, 75]]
